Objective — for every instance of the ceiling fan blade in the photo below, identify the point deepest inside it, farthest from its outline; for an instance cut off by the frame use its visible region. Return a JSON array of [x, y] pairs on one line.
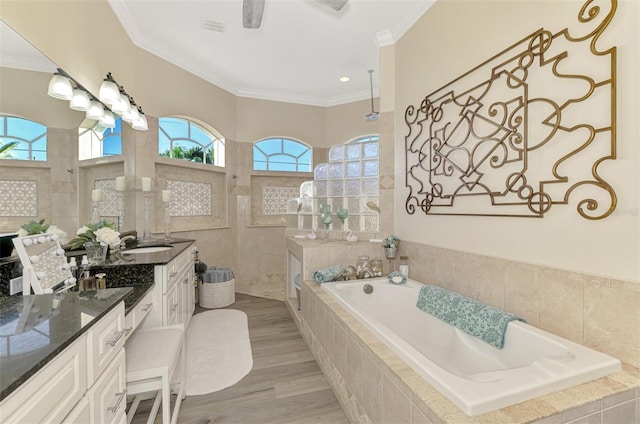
[[252, 13], [334, 4]]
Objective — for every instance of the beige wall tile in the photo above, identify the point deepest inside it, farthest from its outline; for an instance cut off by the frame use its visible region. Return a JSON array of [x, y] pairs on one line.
[[354, 368], [604, 330], [341, 349], [621, 413], [561, 304], [396, 407], [371, 387], [521, 292]]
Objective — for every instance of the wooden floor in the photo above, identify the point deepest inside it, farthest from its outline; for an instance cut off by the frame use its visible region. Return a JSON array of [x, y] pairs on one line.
[[284, 386]]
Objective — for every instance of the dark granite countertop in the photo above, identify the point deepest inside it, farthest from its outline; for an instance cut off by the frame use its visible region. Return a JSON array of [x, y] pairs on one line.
[[176, 246], [34, 329]]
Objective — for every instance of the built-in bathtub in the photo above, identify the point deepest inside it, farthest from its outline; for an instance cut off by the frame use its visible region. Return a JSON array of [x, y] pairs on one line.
[[472, 374]]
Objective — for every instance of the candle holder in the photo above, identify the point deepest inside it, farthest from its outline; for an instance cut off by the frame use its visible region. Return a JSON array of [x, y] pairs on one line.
[[120, 195], [146, 234], [167, 222], [95, 214]]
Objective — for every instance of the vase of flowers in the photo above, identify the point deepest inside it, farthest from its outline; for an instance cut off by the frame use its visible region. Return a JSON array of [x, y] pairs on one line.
[[97, 239], [390, 245]]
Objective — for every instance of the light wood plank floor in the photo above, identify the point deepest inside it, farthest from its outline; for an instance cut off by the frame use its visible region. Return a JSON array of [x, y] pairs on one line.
[[284, 386]]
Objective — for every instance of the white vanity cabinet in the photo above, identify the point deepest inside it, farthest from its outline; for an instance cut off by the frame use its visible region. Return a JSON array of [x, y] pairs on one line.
[[49, 395], [173, 291], [84, 383]]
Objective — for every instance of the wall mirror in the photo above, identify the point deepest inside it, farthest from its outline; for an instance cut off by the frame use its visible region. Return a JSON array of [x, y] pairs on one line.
[[24, 76], [45, 266]]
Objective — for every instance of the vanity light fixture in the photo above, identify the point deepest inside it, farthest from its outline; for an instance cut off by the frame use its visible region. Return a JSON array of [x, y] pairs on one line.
[[121, 104], [141, 123], [60, 87], [109, 90], [131, 115], [96, 110], [108, 120], [80, 100]]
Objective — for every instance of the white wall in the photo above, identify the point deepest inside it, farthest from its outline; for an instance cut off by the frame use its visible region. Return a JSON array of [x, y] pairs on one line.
[[455, 36]]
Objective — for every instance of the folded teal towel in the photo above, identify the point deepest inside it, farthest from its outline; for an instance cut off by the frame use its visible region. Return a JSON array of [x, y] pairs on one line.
[[485, 322], [324, 275]]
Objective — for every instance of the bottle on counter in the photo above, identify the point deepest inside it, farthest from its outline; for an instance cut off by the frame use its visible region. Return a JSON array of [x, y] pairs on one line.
[[404, 266], [101, 281]]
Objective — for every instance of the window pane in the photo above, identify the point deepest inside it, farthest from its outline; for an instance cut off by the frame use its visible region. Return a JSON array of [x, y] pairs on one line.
[[271, 146], [294, 148], [31, 138], [282, 154], [184, 139]]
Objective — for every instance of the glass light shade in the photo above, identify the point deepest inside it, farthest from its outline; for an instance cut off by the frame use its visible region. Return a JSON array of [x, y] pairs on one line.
[[80, 100], [96, 111], [140, 123], [121, 105], [109, 92], [60, 87], [131, 115], [108, 120]]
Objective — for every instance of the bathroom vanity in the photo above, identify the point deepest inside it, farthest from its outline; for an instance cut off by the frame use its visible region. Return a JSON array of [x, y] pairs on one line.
[[62, 357]]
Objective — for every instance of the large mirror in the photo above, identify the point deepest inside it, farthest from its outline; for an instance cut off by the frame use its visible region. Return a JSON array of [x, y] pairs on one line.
[[37, 189]]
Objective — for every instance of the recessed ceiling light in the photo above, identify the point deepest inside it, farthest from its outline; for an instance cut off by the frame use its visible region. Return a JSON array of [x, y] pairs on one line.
[[344, 79]]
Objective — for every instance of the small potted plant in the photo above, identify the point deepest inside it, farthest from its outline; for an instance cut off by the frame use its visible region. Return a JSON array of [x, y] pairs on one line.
[[390, 245]]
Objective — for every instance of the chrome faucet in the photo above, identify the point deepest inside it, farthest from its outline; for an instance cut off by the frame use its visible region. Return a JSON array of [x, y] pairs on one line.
[[123, 240]]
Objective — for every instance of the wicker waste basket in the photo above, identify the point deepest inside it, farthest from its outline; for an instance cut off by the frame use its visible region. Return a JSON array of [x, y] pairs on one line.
[[218, 288]]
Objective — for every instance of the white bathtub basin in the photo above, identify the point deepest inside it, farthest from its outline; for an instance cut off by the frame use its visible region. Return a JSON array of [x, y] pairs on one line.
[[474, 375]]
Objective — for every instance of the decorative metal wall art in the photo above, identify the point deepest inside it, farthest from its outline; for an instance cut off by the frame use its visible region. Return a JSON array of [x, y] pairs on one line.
[[521, 132]]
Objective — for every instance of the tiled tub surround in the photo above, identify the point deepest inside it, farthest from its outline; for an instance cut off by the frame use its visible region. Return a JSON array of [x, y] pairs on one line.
[[597, 311], [375, 386]]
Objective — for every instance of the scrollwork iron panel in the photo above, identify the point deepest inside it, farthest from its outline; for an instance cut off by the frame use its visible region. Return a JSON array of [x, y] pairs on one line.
[[517, 134]]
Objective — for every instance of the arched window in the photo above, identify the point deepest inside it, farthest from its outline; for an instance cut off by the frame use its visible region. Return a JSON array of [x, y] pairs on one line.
[[281, 154], [22, 139], [181, 138], [98, 141]]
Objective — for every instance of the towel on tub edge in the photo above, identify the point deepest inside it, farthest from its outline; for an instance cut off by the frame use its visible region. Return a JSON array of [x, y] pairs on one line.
[[483, 321], [324, 275]]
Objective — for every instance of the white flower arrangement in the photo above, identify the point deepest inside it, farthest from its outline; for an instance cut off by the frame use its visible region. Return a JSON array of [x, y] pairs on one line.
[[101, 232]]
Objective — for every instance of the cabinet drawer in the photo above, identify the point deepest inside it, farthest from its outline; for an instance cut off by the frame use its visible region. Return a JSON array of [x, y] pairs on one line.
[[54, 390], [171, 308], [80, 414], [135, 317], [104, 341], [173, 269], [108, 397]]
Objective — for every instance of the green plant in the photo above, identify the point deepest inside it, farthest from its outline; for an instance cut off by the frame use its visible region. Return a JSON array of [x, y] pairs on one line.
[[35, 227], [5, 149]]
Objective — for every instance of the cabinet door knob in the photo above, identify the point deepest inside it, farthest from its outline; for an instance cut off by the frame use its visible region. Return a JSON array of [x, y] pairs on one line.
[[147, 307], [173, 308]]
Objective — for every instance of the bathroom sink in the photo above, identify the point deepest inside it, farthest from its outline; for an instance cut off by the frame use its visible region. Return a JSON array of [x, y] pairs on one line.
[[150, 249]]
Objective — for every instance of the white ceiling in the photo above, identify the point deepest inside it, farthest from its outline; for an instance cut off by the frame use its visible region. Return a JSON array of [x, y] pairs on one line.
[[297, 55]]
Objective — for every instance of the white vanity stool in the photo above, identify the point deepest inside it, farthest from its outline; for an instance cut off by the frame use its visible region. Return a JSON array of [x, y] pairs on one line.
[[154, 357]]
